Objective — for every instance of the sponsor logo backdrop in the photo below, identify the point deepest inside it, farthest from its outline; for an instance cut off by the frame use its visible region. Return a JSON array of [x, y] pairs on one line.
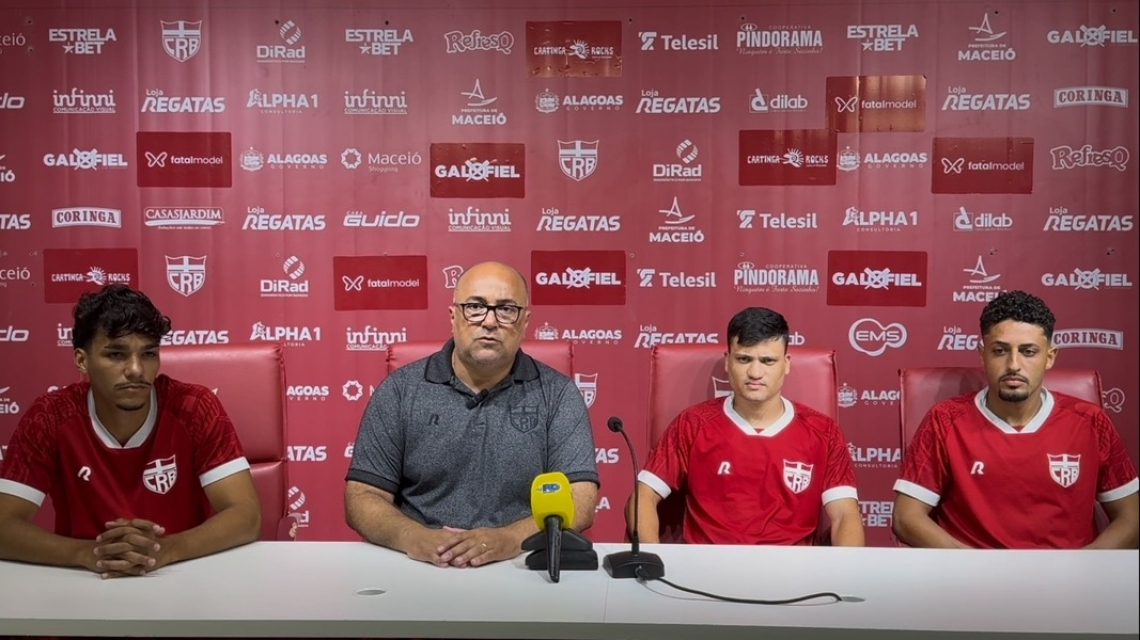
[[876, 172]]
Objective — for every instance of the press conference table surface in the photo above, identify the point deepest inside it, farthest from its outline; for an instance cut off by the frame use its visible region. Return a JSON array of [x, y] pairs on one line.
[[315, 589]]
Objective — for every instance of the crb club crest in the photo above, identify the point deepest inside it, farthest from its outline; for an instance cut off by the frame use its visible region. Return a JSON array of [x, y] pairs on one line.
[[186, 274], [797, 475], [181, 39], [721, 388], [588, 384], [578, 158], [1065, 468], [525, 419], [160, 475]]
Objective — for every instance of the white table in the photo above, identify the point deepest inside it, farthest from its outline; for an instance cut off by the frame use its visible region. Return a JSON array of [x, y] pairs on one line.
[[312, 589]]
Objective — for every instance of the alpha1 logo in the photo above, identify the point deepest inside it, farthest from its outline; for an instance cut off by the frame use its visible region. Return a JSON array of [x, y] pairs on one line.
[[982, 165], [379, 282], [578, 277]]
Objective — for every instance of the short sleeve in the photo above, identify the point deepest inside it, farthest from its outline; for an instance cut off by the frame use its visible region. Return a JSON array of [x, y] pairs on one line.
[[378, 453], [571, 437], [924, 472], [667, 468], [32, 457], [218, 453], [840, 477], [1116, 476]]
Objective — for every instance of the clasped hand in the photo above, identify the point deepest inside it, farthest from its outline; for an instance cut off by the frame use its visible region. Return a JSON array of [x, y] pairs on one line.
[[128, 548], [464, 547]]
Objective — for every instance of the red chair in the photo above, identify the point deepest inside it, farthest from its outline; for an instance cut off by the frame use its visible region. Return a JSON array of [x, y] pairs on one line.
[[922, 388], [683, 375], [249, 380], [556, 354]]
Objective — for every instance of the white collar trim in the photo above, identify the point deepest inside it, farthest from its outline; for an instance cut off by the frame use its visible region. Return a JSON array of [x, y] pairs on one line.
[[1030, 427], [748, 430], [136, 440]]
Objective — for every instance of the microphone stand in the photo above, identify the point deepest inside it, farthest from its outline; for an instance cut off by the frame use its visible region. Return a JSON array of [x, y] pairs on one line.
[[632, 563]]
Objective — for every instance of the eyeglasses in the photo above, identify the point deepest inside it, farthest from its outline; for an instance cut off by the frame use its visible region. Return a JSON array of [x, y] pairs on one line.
[[477, 311]]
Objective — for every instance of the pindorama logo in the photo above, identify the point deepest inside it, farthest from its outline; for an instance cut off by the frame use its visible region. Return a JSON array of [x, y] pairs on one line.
[[752, 39]]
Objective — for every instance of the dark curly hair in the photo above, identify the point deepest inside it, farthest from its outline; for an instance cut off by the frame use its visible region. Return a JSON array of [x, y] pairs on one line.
[[754, 325], [1018, 306], [119, 311]]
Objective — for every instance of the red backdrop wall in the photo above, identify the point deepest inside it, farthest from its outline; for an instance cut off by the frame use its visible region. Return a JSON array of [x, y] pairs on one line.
[[282, 170]]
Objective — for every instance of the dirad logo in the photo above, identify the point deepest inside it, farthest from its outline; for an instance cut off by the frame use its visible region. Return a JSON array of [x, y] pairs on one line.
[[686, 170], [578, 336], [653, 103], [183, 217], [478, 170], [1090, 96], [371, 338], [649, 336], [1091, 338], [879, 221], [82, 42], [181, 337], [79, 101], [656, 41], [379, 282], [675, 227], [787, 157], [881, 37], [71, 272], [290, 336], [1061, 220], [370, 103], [987, 45], [459, 42], [955, 338], [877, 278], [1066, 157], [258, 220], [186, 274], [475, 220], [184, 159], [649, 277], [849, 396], [578, 277], [570, 49], [181, 39], [872, 337], [554, 220], [290, 34], [876, 103], [156, 101], [384, 219], [291, 286], [982, 165], [1087, 279], [281, 103], [86, 159], [1087, 36], [978, 288], [480, 109], [548, 102], [750, 219], [752, 39], [984, 221], [378, 42], [749, 277]]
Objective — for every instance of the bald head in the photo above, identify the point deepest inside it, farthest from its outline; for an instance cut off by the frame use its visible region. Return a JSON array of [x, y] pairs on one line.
[[496, 277]]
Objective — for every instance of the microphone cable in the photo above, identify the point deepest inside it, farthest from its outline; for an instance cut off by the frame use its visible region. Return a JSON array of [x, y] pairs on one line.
[[641, 577]]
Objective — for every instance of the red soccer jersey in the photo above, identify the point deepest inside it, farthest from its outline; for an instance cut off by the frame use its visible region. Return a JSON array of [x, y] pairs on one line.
[[994, 486], [745, 486], [61, 449]]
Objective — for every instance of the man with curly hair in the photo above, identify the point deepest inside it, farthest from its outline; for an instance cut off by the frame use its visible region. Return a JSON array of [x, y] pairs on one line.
[[142, 470], [1015, 465]]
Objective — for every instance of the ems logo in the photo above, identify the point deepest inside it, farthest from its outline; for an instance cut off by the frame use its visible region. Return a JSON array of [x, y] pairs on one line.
[[578, 158], [721, 388], [160, 475], [1065, 468], [797, 475], [588, 384], [186, 274], [181, 39]]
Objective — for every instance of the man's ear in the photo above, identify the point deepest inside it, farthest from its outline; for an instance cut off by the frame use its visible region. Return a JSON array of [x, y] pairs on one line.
[[80, 357]]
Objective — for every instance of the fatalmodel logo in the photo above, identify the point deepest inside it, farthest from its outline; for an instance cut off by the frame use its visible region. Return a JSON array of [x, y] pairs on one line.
[[184, 159], [379, 282]]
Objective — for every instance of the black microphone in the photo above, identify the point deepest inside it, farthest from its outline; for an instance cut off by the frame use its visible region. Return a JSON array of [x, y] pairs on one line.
[[477, 399], [632, 563]]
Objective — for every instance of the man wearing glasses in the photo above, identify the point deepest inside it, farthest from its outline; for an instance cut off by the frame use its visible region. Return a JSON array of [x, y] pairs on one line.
[[448, 445]]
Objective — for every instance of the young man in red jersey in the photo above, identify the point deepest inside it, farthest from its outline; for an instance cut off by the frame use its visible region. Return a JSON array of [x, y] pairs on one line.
[[142, 470], [756, 467], [1014, 465]]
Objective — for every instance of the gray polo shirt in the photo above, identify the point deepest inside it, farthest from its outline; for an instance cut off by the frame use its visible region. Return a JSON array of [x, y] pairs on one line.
[[449, 464]]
